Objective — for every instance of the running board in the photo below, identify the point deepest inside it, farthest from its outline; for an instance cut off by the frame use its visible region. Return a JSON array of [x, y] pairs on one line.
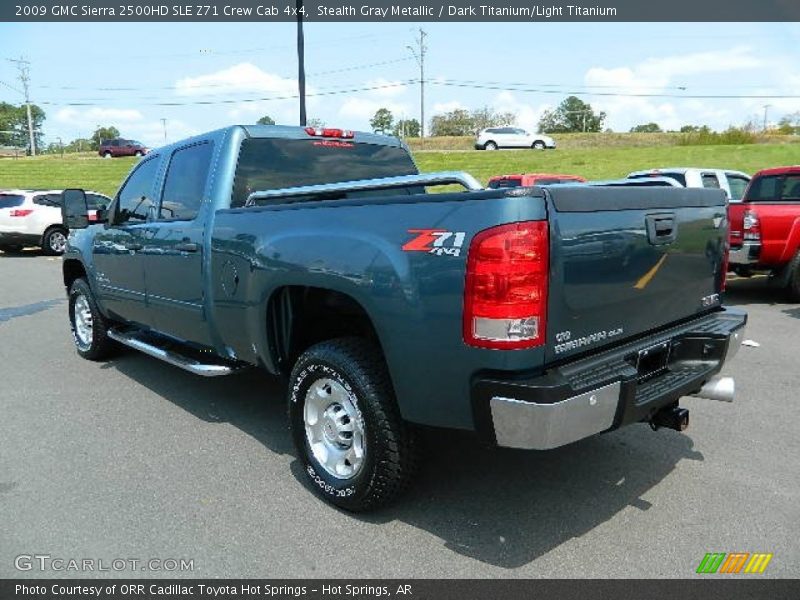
[[133, 339]]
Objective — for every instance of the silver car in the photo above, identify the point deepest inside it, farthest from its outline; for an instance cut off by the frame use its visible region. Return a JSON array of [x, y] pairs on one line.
[[512, 137]]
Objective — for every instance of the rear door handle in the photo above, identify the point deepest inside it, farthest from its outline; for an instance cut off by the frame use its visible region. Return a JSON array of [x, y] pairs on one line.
[[187, 247]]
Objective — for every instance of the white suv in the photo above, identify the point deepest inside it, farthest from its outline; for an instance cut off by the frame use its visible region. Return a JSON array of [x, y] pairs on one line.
[[732, 183], [33, 218], [512, 137]]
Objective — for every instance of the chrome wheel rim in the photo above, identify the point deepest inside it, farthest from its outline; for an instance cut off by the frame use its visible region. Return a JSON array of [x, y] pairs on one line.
[[58, 242], [334, 429], [83, 321]]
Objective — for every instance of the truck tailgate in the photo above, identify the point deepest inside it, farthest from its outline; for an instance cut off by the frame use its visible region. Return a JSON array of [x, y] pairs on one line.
[[626, 261]]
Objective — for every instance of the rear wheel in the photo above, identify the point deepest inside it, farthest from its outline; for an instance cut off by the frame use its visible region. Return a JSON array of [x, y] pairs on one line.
[[356, 450], [793, 288], [54, 241], [490, 146], [539, 145], [138, 154], [89, 327], [107, 155]]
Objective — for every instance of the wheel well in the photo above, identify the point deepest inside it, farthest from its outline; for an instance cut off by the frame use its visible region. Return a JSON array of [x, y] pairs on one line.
[[300, 316], [72, 269]]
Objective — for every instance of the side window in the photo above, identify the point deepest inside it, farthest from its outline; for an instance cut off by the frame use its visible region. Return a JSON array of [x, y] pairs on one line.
[[95, 201], [135, 199], [737, 183], [186, 182], [53, 200], [710, 180]]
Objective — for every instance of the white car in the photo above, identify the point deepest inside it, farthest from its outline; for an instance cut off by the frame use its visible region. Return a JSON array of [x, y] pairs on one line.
[[33, 218], [512, 137], [732, 183]]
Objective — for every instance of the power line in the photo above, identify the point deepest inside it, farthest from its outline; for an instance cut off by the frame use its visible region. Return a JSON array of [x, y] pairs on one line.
[[419, 55]]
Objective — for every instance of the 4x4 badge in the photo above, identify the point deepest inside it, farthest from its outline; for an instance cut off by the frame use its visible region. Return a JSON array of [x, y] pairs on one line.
[[435, 241]]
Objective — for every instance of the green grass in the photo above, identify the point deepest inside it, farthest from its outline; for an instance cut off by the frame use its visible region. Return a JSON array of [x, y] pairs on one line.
[[607, 162]]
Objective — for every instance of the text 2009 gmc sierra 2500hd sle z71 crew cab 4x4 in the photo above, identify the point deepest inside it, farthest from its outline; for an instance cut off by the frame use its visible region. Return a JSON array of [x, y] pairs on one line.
[[533, 316]]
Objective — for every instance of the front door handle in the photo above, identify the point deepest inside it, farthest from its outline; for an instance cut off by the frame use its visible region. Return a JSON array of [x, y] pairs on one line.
[[187, 247]]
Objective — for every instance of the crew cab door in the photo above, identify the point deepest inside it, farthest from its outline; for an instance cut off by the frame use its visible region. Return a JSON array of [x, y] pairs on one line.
[[173, 249], [116, 247]]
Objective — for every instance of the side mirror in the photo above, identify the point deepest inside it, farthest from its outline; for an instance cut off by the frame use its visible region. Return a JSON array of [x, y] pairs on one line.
[[74, 210]]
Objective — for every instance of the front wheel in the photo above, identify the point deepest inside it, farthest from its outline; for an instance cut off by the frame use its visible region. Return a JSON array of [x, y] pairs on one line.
[[490, 146], [138, 154], [107, 155], [539, 145], [54, 241], [356, 450], [89, 327]]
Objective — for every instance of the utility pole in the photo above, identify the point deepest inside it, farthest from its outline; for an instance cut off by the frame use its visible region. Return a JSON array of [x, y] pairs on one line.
[[24, 77], [301, 62], [164, 125], [419, 55], [766, 108]]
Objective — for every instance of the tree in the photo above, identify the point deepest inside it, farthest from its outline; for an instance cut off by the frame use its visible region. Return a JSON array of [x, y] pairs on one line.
[[382, 121], [103, 133], [266, 120], [455, 122], [790, 124], [316, 123], [405, 128], [647, 128], [14, 125], [487, 117], [572, 115]]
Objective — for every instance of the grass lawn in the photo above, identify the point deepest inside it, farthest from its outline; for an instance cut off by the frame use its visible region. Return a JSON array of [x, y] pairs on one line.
[[104, 176]]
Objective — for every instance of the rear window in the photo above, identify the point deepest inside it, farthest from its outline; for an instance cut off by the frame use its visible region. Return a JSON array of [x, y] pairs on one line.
[[679, 177], [775, 188], [504, 183], [11, 200], [268, 164]]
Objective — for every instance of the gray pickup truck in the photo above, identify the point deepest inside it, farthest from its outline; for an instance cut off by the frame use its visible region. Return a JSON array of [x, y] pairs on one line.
[[534, 317]]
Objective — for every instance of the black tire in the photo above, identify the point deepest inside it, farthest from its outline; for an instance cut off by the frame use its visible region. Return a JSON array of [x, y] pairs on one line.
[[99, 346], [107, 155], [490, 146], [54, 241], [388, 461], [793, 287], [539, 145], [11, 249], [138, 154]]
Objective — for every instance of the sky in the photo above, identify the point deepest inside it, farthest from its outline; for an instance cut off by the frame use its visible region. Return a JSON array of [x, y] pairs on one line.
[[201, 76]]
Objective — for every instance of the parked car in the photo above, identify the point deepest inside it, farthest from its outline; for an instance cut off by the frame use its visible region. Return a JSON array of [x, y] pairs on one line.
[[732, 182], [529, 179], [33, 218], [121, 147], [316, 254], [765, 228], [512, 137]]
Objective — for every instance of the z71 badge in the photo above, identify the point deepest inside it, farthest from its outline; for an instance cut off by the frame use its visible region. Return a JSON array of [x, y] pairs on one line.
[[435, 241]]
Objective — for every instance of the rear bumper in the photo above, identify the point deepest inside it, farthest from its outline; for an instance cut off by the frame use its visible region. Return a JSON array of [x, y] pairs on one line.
[[604, 391], [747, 254]]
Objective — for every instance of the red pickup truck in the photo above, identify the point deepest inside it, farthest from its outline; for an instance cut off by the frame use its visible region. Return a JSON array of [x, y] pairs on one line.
[[765, 228]]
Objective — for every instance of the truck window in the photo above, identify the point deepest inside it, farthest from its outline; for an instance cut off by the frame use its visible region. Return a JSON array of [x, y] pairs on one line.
[[186, 182], [737, 183], [774, 188], [710, 180], [136, 195], [268, 164]]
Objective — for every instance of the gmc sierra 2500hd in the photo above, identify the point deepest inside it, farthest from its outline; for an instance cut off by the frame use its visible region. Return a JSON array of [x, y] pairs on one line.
[[533, 316]]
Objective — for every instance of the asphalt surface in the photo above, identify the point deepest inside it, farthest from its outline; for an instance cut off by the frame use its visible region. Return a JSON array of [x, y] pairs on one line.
[[134, 459]]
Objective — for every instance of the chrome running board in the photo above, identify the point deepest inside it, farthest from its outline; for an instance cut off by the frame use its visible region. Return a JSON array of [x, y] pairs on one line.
[[133, 339]]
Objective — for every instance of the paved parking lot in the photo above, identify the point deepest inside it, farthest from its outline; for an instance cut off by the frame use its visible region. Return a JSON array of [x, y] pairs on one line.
[[136, 459]]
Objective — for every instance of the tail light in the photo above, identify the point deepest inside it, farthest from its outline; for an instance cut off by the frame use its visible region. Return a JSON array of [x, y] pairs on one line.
[[327, 132], [505, 296], [751, 226], [21, 212]]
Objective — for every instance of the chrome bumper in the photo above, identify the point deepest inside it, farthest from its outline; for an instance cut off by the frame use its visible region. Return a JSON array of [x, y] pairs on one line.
[[747, 254], [535, 426]]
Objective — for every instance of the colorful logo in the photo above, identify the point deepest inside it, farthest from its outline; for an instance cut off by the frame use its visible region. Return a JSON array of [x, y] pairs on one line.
[[735, 562]]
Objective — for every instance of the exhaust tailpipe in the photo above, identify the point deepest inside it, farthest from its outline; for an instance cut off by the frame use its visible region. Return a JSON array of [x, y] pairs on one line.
[[671, 417], [717, 388]]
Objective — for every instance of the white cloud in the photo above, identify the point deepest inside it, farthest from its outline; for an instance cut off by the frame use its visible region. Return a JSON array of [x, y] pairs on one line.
[[527, 115], [385, 88], [356, 111], [445, 107], [665, 75], [92, 117], [244, 77]]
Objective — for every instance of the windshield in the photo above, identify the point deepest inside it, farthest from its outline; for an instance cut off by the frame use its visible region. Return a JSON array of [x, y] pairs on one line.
[[775, 188], [269, 164], [11, 200]]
